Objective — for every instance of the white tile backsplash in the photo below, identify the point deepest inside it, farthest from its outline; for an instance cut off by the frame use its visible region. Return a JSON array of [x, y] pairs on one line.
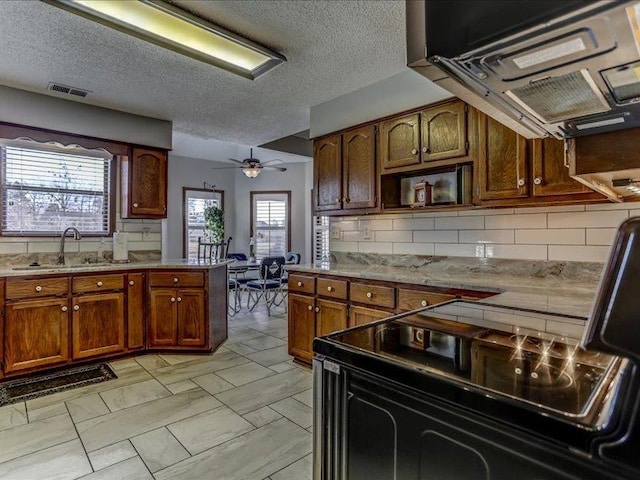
[[459, 223], [530, 220], [608, 218], [569, 233], [559, 236]]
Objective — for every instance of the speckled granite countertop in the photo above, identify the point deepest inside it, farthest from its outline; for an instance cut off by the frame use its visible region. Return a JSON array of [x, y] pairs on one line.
[[564, 288], [22, 271]]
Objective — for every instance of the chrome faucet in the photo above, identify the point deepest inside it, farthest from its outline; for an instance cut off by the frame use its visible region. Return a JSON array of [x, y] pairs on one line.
[[76, 236]]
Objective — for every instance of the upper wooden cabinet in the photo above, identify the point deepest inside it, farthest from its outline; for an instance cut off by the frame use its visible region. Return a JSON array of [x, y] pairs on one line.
[[413, 141], [502, 161], [444, 132], [327, 165], [400, 142], [345, 174], [359, 168], [144, 184], [550, 172]]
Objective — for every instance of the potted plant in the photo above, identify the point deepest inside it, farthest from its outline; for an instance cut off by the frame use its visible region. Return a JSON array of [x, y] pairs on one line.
[[214, 224]]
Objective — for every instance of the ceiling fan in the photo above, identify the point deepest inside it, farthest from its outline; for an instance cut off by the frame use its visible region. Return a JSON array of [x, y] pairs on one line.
[[252, 167]]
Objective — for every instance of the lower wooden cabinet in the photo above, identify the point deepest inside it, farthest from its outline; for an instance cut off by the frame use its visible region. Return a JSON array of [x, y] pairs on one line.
[[97, 325], [362, 315], [36, 334], [301, 326], [177, 318], [330, 317], [135, 310]]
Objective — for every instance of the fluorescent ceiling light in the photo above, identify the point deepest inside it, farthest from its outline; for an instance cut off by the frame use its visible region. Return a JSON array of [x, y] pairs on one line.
[[163, 24]]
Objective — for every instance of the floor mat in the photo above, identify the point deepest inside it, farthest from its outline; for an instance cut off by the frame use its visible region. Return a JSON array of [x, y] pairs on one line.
[[27, 388]]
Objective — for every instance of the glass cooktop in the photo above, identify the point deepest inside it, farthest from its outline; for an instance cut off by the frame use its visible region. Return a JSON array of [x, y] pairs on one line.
[[551, 372]]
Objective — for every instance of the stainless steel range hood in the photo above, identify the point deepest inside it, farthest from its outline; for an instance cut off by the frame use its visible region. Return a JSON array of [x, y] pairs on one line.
[[563, 68]]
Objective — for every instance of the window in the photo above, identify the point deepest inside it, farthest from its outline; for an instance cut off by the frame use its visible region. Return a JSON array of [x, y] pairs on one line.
[[320, 239], [46, 189], [194, 201], [270, 223]]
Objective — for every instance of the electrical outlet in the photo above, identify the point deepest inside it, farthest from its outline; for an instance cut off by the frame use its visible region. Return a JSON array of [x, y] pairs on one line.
[[365, 230], [336, 233]]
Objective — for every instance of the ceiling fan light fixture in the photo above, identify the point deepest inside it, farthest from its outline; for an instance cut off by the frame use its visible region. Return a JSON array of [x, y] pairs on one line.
[[175, 29], [251, 172]]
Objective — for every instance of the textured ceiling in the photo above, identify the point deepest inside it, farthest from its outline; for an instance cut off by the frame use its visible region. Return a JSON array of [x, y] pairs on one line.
[[332, 47]]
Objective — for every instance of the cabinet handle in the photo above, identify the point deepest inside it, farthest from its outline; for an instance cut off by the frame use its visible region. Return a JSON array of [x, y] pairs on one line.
[[309, 307], [425, 150], [132, 283], [76, 308], [99, 284], [38, 288], [135, 205], [537, 181], [179, 299], [348, 200], [414, 151], [173, 299], [521, 182], [64, 309], [337, 200], [299, 284], [424, 303], [369, 295], [317, 309], [330, 288], [176, 279]]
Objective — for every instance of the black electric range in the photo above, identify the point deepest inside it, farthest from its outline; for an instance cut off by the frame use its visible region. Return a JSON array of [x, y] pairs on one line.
[[441, 393]]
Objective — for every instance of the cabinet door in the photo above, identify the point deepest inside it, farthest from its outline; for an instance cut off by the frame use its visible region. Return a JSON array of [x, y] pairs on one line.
[[550, 175], [359, 168], [163, 318], [330, 317], [191, 318], [147, 183], [400, 142], [362, 315], [135, 310], [327, 165], [444, 132], [36, 334], [502, 162], [97, 324], [301, 326], [1, 325]]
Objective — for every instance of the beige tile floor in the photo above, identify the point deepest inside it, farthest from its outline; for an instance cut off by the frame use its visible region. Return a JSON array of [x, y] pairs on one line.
[[243, 412]]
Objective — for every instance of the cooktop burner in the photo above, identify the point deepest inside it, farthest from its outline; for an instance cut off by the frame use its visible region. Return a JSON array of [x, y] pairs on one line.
[[552, 372]]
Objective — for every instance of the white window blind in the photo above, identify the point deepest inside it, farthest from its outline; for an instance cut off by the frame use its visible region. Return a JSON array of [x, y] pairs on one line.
[[270, 224], [195, 203], [320, 239], [46, 190]]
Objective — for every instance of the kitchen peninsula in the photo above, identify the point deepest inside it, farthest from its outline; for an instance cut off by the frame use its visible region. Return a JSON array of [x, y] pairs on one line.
[[67, 314]]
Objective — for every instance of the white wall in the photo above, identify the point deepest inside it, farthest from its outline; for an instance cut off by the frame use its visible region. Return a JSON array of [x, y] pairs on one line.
[[395, 94], [296, 179], [191, 172], [581, 233], [53, 113]]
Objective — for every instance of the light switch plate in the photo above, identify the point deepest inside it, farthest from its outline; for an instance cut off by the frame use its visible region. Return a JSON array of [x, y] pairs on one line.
[[336, 233], [365, 230]]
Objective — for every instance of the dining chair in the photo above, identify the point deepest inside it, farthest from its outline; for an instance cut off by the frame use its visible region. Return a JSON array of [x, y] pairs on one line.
[[234, 290], [290, 258], [268, 285]]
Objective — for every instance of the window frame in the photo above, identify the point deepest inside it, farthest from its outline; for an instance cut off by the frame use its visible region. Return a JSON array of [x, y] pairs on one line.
[[111, 204], [185, 223], [252, 195]]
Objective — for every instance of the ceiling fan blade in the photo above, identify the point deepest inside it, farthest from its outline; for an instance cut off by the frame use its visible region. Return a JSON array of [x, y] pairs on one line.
[[236, 161], [223, 168], [280, 169], [275, 161]]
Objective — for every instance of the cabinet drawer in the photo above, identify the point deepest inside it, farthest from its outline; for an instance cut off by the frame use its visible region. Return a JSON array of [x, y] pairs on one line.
[[176, 279], [97, 283], [42, 287], [301, 284], [412, 299], [376, 295], [332, 288]]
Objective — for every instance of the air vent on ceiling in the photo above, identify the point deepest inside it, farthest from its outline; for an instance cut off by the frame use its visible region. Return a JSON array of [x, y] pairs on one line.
[[57, 87]]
